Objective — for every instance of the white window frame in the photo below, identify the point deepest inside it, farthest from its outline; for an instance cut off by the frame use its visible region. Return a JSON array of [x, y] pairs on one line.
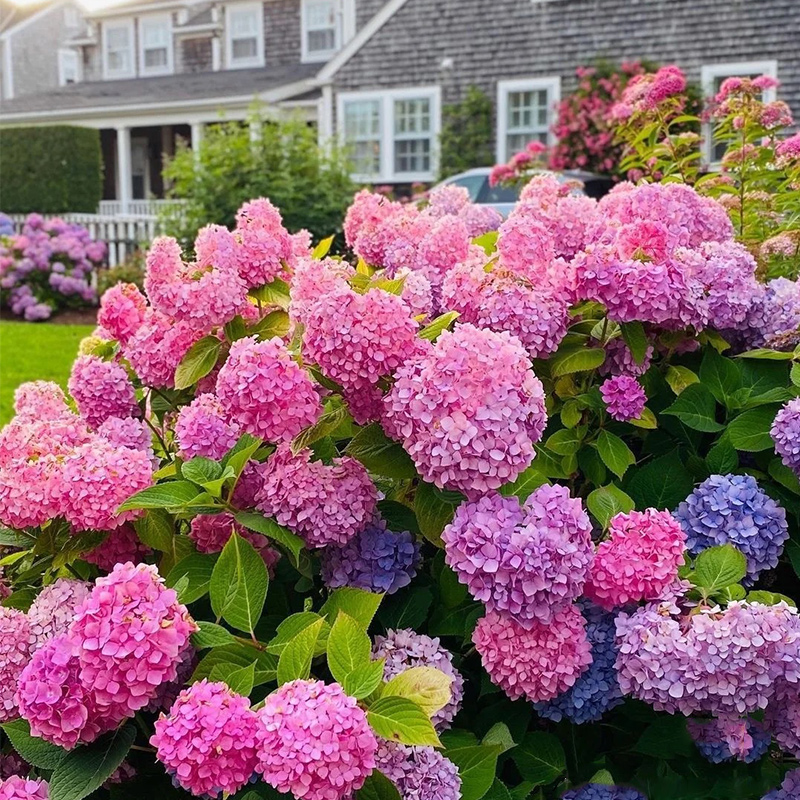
[[709, 73], [551, 84], [68, 55], [387, 100], [344, 30], [108, 73], [258, 59], [168, 68]]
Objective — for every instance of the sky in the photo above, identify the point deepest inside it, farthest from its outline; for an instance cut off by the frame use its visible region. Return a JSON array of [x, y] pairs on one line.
[[90, 4]]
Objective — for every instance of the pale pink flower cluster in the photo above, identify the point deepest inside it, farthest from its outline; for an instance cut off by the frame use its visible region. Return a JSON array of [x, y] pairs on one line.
[[264, 247], [325, 504], [122, 311], [314, 741], [265, 392], [127, 638], [101, 389], [121, 545], [313, 279], [468, 410], [203, 428], [638, 560], [17, 788], [16, 645], [53, 610]]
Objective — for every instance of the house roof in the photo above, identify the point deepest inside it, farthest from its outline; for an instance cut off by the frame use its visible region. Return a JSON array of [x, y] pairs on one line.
[[166, 89]]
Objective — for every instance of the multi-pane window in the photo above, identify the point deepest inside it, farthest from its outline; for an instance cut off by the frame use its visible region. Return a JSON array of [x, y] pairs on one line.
[[713, 76], [391, 135], [119, 49], [156, 44], [245, 35], [362, 131], [412, 135], [321, 18], [67, 67], [525, 113]]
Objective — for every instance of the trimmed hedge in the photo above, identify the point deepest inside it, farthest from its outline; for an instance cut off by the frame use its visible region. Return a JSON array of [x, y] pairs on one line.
[[50, 170]]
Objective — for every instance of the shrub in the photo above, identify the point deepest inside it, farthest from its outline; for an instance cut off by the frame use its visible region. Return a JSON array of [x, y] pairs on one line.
[[50, 266], [466, 137], [311, 185], [51, 170], [548, 544], [130, 271]]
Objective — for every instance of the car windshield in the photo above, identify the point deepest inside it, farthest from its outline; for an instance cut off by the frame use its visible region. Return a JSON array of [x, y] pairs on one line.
[[499, 194], [472, 183]]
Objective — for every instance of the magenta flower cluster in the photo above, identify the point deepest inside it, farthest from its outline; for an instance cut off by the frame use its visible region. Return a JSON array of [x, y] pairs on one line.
[[17, 788], [624, 397], [47, 267]]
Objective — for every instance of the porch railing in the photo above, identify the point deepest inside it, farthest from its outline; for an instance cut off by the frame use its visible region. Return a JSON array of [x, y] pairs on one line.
[[136, 208]]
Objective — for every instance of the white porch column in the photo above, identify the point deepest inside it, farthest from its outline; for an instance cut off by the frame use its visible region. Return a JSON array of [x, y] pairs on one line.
[[124, 177], [197, 137]]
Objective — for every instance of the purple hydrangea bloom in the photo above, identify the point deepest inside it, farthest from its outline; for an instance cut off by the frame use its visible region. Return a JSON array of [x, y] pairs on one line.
[[599, 791], [723, 740], [624, 397], [6, 225], [527, 561], [733, 509], [597, 690], [788, 790], [620, 360], [377, 560], [785, 433], [419, 773], [404, 649]]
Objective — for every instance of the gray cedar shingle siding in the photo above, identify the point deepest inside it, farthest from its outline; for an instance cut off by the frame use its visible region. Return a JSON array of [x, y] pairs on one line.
[[491, 40], [282, 32], [194, 55]]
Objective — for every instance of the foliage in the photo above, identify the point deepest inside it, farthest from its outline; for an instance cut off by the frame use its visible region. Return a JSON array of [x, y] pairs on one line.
[[283, 162], [51, 170], [130, 271], [466, 138]]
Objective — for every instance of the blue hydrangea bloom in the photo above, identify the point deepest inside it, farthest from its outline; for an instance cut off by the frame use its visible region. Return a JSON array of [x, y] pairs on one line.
[[377, 560], [597, 690], [733, 509], [713, 747], [6, 225], [788, 790], [598, 791]]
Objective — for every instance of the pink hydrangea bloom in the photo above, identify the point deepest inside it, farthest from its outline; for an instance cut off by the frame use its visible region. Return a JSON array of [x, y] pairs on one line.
[[16, 641], [265, 392], [210, 533], [264, 245], [101, 389], [131, 433], [620, 360], [364, 216], [357, 339], [501, 300], [325, 504], [203, 429], [60, 708], [17, 788], [539, 663], [54, 608], [99, 478], [41, 400], [528, 561], [202, 294], [314, 741], [157, 347], [132, 632], [313, 279], [469, 410], [30, 492], [526, 246], [208, 740], [122, 311], [788, 151], [417, 292], [121, 545], [624, 397], [638, 561]]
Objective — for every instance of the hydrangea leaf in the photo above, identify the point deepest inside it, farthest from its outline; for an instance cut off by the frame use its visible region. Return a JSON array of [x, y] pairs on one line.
[[241, 655], [348, 647], [197, 568], [576, 359], [199, 360], [380, 455], [378, 787], [608, 501], [257, 522], [441, 323], [428, 687], [295, 660], [399, 719], [696, 408], [291, 626], [364, 680], [323, 248], [636, 339], [679, 378], [360, 605], [35, 751], [540, 758], [749, 431], [500, 735], [718, 567], [173, 494], [476, 767], [616, 455], [434, 509], [211, 635], [719, 375]]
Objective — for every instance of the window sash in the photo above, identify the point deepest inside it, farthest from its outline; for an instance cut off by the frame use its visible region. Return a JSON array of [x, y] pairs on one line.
[[155, 44], [119, 49], [322, 26], [362, 128], [244, 34]]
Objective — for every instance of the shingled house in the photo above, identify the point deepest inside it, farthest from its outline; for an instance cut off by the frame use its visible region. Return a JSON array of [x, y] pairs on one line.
[[377, 72]]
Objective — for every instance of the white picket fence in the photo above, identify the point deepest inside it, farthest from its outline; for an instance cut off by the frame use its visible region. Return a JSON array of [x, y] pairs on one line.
[[123, 235], [137, 208]]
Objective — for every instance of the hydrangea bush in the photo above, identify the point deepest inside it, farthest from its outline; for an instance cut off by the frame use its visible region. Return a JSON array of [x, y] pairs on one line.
[[47, 267], [488, 510]]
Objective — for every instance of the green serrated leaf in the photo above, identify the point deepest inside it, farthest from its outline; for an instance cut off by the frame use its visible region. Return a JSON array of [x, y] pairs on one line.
[[749, 431], [566, 442], [428, 687], [348, 647], [295, 660], [718, 567], [275, 293], [364, 680], [241, 680], [636, 339], [434, 509], [291, 626], [359, 604], [156, 529], [476, 767], [380, 455], [679, 378], [211, 635], [197, 569], [35, 751], [399, 719], [323, 248], [377, 787], [172, 494], [576, 359], [608, 501], [722, 458], [525, 483], [499, 735], [432, 331], [540, 758], [201, 470], [238, 655], [616, 455], [324, 426], [238, 585], [199, 360], [255, 521], [696, 408]]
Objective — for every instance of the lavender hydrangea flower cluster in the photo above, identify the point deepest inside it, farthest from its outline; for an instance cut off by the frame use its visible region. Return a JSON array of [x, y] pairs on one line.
[[785, 433], [597, 689], [419, 773], [600, 791], [47, 267], [376, 559], [733, 509], [789, 788], [723, 740]]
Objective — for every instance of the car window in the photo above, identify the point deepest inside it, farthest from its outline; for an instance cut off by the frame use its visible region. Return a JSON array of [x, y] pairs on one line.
[[499, 194], [472, 183]]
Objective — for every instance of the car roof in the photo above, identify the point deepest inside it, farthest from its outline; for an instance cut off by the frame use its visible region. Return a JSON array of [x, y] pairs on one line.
[[570, 174]]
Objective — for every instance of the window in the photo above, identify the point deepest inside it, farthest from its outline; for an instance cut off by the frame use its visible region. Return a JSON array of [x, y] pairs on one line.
[[68, 67], [525, 113], [322, 29], [712, 77], [118, 49], [391, 135], [245, 35], [155, 41]]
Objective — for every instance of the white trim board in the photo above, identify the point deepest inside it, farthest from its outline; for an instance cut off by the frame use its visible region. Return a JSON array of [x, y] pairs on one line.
[[551, 83]]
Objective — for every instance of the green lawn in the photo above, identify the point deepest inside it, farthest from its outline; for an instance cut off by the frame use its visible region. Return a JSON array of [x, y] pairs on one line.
[[35, 351]]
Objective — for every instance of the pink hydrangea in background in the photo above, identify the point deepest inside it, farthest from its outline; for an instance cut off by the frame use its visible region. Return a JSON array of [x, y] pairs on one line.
[[17, 788], [313, 279], [204, 429], [265, 247], [314, 741], [208, 740], [53, 610], [122, 311], [528, 561], [469, 410], [121, 545], [537, 663], [325, 504], [16, 642], [101, 389], [624, 397], [264, 391], [638, 560], [40, 399]]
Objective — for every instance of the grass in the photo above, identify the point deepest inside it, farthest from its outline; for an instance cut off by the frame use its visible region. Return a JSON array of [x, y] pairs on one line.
[[35, 351]]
